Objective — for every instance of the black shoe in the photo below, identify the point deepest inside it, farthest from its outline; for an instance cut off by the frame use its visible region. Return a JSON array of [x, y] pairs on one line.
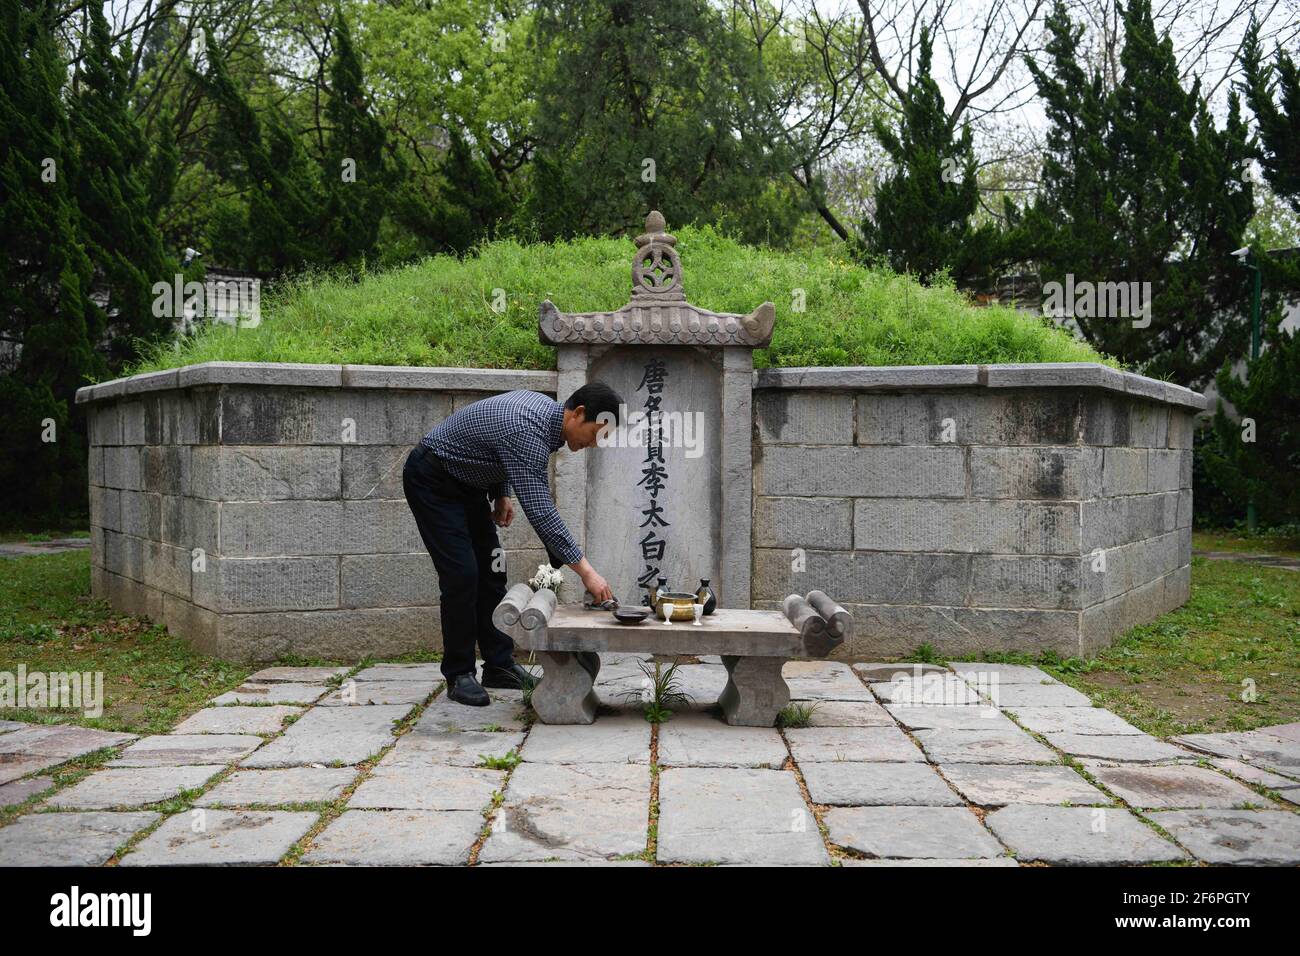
[[513, 677], [465, 689]]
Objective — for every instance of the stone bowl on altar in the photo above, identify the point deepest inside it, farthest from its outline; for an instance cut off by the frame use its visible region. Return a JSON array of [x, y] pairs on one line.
[[681, 602]]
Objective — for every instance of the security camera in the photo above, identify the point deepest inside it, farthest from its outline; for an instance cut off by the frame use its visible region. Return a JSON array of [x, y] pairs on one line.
[[1242, 252], [190, 255]]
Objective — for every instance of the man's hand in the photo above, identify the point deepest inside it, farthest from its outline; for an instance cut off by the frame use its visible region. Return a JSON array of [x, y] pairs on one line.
[[592, 581], [503, 512]]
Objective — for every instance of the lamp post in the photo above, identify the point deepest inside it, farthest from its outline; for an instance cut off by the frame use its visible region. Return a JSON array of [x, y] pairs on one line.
[[1248, 260]]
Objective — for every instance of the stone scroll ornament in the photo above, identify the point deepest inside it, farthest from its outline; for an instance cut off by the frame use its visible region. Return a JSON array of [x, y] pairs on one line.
[[658, 313], [823, 625]]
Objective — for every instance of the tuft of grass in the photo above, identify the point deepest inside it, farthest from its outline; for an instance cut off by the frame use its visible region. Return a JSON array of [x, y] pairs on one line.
[[661, 694], [439, 312], [507, 761], [796, 714]]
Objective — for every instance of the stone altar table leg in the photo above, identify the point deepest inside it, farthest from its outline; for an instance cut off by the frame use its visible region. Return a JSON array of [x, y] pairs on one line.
[[755, 692], [565, 694]]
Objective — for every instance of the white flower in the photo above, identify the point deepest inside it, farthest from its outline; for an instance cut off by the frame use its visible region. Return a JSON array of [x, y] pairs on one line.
[[546, 577]]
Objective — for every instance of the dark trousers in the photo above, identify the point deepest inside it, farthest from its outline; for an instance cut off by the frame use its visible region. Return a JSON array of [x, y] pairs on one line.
[[455, 522]]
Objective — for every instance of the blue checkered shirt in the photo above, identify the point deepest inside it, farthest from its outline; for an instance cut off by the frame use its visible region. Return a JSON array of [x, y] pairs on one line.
[[504, 443]]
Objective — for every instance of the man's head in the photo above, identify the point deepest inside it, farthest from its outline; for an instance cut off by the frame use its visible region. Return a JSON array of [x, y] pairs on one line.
[[588, 413]]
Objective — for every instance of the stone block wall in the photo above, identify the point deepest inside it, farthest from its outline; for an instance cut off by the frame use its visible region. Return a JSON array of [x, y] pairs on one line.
[[975, 508], [258, 509]]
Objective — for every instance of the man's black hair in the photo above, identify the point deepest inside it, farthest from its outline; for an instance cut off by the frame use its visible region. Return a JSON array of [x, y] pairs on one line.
[[596, 398]]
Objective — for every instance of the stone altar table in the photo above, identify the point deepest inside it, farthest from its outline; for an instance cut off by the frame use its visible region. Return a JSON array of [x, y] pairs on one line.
[[753, 645]]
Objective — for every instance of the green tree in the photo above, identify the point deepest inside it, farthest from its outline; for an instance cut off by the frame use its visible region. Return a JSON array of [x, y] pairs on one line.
[[111, 186], [1278, 120], [273, 226], [48, 328], [645, 107], [923, 208], [358, 179], [1140, 186]]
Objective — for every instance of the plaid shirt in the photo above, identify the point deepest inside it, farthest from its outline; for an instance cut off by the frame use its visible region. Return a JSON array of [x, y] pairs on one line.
[[502, 443]]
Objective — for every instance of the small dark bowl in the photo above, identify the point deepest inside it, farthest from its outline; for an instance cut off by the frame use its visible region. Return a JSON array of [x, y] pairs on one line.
[[631, 615]]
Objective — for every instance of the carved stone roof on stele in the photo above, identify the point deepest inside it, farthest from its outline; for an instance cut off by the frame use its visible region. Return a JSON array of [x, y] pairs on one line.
[[658, 313]]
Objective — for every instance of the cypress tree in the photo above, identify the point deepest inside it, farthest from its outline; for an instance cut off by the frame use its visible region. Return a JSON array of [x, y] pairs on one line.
[[110, 188], [48, 328], [357, 178], [1278, 121], [923, 208]]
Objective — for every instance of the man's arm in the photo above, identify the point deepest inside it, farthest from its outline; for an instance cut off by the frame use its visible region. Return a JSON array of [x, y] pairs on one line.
[[528, 479]]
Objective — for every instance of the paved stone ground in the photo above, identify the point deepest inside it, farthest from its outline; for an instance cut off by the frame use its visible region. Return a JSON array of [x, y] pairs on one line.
[[25, 549], [1272, 560], [977, 765]]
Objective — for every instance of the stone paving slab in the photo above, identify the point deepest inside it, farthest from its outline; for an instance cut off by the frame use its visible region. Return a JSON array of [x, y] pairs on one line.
[[237, 720], [456, 748], [996, 785], [911, 832], [292, 785], [295, 675], [997, 861], [823, 680], [8, 726], [573, 812], [1254, 837], [983, 746], [825, 744], [1093, 721], [952, 718], [1127, 748], [397, 838], [222, 838], [419, 785], [846, 713], [701, 740], [331, 735], [64, 741], [1264, 778], [1011, 696], [875, 673], [1079, 836], [69, 839], [175, 750], [279, 693], [932, 690], [1289, 732], [14, 766], [445, 714], [1264, 750], [978, 671], [12, 794], [1176, 787], [619, 738], [131, 787], [428, 673], [730, 815], [877, 784], [386, 691]]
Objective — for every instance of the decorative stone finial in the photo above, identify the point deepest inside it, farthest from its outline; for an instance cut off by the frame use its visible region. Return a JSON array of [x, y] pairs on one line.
[[658, 313]]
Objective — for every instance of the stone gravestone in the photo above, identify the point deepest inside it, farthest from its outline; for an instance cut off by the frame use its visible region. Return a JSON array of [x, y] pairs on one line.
[[669, 494]]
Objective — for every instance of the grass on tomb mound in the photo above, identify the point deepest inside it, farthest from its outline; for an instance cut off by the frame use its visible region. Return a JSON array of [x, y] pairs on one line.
[[1188, 671], [440, 312]]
